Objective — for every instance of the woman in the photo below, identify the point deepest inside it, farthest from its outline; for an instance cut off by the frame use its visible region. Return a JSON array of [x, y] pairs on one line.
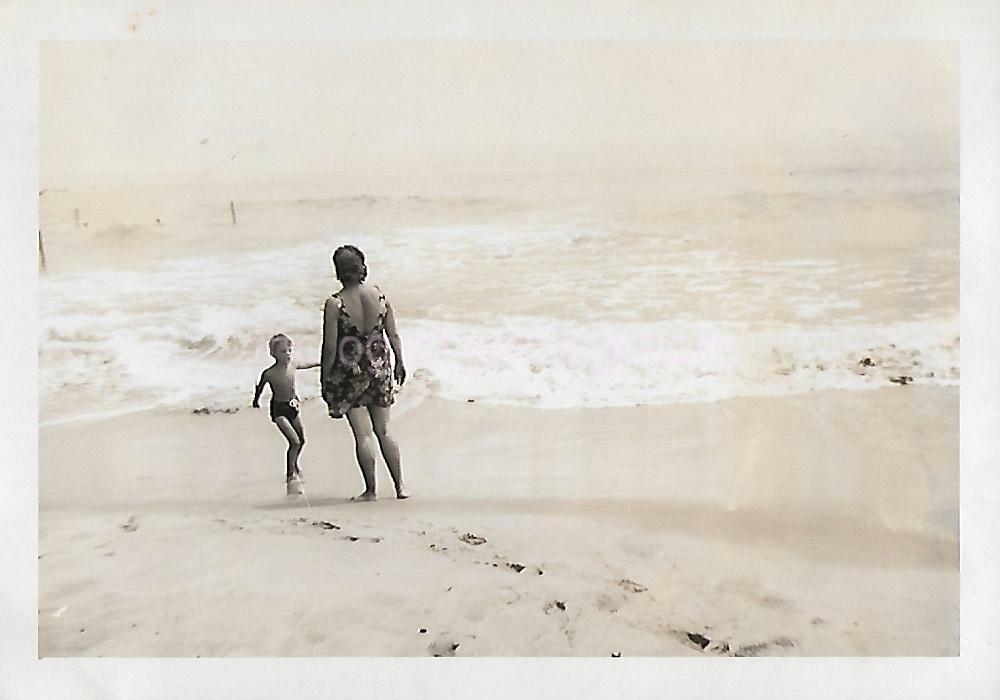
[[355, 373]]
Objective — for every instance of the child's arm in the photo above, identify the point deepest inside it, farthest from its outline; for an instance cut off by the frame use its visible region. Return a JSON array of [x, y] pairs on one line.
[[310, 365], [258, 389]]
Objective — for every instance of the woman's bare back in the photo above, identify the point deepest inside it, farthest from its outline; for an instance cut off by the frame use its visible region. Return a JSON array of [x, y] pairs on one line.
[[363, 305]]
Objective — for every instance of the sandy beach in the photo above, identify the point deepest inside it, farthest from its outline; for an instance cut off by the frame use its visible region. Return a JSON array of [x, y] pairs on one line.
[[823, 523]]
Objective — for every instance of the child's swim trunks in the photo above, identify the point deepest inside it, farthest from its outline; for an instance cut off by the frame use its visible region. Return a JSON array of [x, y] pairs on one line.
[[288, 409]]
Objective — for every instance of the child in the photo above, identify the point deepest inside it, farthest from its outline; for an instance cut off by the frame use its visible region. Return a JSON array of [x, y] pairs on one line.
[[285, 405]]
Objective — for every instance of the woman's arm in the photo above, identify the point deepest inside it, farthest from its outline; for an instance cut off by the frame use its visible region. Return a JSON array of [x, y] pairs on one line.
[[395, 343], [328, 350]]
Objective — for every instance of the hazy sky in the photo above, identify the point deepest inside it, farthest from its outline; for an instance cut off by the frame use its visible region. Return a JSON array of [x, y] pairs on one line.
[[265, 110]]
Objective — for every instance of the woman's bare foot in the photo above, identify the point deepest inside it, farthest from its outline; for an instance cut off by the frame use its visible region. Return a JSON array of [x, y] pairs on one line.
[[402, 493], [365, 496]]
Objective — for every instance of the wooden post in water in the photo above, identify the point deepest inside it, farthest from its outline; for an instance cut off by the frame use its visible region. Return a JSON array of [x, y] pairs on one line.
[[232, 210], [41, 250]]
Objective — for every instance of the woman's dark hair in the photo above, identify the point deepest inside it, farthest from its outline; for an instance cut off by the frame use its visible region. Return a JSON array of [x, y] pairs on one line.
[[349, 263]]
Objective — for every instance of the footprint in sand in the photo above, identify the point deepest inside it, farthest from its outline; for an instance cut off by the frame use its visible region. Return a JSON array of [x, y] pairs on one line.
[[631, 586], [558, 608], [724, 648], [554, 605], [700, 641], [760, 647], [326, 525], [131, 525], [514, 566], [695, 638], [443, 647]]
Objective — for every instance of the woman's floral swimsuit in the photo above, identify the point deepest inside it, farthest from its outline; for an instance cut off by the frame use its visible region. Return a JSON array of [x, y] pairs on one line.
[[362, 373]]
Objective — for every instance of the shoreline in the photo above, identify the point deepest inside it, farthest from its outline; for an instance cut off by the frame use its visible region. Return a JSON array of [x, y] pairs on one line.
[[410, 400], [816, 524]]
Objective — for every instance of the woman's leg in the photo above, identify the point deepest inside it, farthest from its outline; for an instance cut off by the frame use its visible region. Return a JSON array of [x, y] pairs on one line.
[[294, 445], [390, 450], [361, 425]]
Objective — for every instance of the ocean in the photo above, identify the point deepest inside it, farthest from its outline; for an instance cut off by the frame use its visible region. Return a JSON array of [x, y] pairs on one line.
[[544, 290]]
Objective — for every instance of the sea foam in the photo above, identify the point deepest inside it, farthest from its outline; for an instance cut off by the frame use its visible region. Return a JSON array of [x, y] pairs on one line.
[[549, 313]]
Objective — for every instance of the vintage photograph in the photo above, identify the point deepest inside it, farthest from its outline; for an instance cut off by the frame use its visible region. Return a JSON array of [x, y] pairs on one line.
[[498, 348]]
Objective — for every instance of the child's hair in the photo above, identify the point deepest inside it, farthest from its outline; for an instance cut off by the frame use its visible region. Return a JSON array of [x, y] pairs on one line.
[[349, 262], [275, 339]]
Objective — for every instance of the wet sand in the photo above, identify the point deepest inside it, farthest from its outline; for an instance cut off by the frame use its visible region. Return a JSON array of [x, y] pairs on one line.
[[809, 525]]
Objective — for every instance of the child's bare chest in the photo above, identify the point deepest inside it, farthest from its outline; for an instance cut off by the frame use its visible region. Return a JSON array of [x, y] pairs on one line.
[[282, 383]]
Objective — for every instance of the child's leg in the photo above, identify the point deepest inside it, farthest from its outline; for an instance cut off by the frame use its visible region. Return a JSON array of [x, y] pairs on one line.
[[296, 424], [294, 445]]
